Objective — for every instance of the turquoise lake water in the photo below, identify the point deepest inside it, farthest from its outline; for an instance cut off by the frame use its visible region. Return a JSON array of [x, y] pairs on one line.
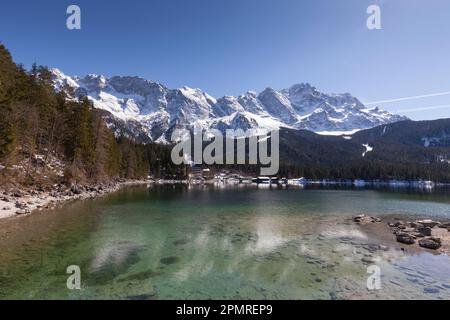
[[179, 242]]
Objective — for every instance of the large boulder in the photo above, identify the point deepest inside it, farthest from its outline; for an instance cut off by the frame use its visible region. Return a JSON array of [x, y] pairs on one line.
[[405, 238], [425, 231], [445, 225], [430, 243], [415, 224], [428, 223]]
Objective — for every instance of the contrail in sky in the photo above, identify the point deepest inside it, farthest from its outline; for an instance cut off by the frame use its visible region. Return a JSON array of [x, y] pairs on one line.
[[409, 98], [424, 108]]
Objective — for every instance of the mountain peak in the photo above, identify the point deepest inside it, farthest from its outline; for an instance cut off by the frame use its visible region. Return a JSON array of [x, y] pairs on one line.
[[302, 86], [268, 90], [252, 94]]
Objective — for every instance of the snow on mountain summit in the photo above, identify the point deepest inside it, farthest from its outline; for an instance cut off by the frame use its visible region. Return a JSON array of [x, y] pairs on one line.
[[154, 110]]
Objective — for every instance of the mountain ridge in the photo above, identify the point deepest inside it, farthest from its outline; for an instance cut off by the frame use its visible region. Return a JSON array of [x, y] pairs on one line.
[[155, 110]]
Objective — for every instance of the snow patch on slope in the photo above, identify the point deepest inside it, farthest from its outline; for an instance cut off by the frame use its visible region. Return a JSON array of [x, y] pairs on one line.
[[368, 149]]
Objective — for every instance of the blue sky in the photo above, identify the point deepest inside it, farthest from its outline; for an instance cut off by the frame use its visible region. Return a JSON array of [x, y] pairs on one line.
[[227, 47]]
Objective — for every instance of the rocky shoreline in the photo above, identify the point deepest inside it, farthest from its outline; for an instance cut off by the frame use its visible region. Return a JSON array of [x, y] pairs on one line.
[[24, 201], [425, 234]]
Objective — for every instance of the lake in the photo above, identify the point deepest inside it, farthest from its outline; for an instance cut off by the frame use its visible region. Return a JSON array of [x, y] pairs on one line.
[[181, 242]]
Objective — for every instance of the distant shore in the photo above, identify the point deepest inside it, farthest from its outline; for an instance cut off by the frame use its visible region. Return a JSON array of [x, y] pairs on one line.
[[357, 183], [21, 201]]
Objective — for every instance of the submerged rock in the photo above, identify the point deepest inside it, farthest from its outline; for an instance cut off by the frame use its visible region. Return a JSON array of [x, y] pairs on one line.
[[364, 219], [130, 290], [169, 260], [141, 276], [142, 297], [181, 242], [113, 262], [431, 290], [368, 260]]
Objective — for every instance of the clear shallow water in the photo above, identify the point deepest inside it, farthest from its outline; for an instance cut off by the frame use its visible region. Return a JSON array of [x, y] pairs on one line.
[[234, 243]]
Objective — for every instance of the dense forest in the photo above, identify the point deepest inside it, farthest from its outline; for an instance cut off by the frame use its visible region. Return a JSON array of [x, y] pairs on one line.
[[47, 137], [398, 153], [366, 170], [408, 150], [43, 132]]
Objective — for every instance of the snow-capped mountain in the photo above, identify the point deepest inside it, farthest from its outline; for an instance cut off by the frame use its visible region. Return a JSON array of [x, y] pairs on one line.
[[149, 108]]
